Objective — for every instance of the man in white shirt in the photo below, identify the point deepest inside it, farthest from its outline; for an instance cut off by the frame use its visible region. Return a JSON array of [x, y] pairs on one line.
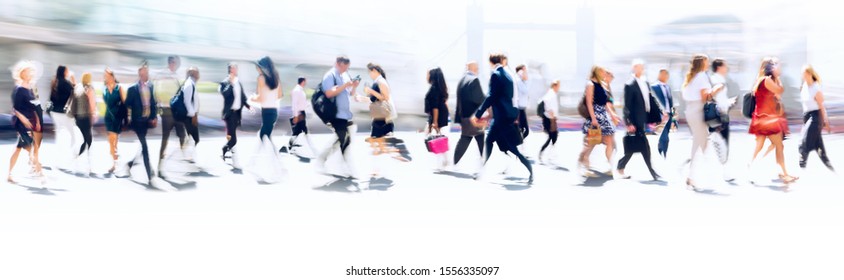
[[234, 99], [722, 98], [724, 102], [521, 93], [639, 111], [550, 105], [191, 122], [297, 121], [662, 92]]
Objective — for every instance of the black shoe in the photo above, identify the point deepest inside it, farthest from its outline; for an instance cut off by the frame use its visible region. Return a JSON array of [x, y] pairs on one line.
[[225, 150], [656, 177], [283, 149]]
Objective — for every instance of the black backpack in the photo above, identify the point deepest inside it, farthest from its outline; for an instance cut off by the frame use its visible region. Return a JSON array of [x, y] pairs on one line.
[[748, 105], [177, 104], [324, 107], [540, 109]]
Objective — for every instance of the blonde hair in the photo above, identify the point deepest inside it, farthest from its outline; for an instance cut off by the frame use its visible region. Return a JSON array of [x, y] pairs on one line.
[[594, 73], [555, 83], [698, 65], [21, 66], [86, 79], [811, 70]]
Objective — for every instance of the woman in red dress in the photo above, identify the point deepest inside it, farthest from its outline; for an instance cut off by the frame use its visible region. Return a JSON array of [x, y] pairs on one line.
[[768, 120]]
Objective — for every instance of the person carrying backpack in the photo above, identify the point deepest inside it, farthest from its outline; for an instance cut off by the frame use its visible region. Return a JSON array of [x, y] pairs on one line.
[[338, 87], [548, 110], [185, 108]]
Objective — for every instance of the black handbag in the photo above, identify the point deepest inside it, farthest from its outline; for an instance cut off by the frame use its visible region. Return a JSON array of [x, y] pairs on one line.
[[748, 105], [710, 112], [634, 143]]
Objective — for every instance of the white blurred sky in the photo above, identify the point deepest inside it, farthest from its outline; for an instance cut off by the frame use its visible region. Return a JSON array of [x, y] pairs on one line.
[[432, 29]]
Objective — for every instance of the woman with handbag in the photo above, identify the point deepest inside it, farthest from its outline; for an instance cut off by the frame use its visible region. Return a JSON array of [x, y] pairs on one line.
[[115, 117], [768, 120], [84, 111], [383, 113], [815, 118], [436, 108], [61, 99], [696, 90], [25, 119], [599, 127]]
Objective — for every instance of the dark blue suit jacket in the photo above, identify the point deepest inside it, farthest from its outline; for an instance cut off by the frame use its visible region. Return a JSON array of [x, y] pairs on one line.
[[660, 96], [133, 102], [500, 98]]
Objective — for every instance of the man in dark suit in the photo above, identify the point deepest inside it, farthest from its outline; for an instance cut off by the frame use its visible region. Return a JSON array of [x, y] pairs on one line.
[[234, 99], [140, 101], [666, 102], [503, 129], [640, 109], [469, 98]]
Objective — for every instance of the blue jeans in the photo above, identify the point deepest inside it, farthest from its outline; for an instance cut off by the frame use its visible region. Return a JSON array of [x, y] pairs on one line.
[[268, 119]]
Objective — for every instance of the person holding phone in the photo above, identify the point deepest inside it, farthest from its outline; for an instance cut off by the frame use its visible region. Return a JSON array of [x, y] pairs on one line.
[[338, 85]]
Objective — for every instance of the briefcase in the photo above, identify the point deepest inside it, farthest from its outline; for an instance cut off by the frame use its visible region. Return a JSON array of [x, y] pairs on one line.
[[634, 143]]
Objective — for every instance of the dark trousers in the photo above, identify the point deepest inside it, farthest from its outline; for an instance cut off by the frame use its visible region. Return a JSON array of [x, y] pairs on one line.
[[268, 118], [724, 130], [298, 128], [191, 129], [140, 129], [644, 148], [523, 123], [463, 145], [552, 139], [84, 125], [167, 124], [550, 127], [504, 141], [341, 129], [232, 122], [812, 139]]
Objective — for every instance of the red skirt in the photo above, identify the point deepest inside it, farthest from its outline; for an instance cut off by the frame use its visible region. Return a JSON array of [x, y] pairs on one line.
[[768, 125]]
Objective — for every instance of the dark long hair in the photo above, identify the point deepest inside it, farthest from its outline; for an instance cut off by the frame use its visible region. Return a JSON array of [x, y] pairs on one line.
[[437, 81], [60, 77], [268, 71], [372, 66]]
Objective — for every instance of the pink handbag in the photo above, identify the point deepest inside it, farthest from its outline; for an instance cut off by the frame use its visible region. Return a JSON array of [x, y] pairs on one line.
[[437, 144]]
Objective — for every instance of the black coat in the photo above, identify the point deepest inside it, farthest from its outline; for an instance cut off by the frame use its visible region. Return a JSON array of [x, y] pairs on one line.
[[134, 103], [227, 90], [634, 106], [469, 97], [500, 99]]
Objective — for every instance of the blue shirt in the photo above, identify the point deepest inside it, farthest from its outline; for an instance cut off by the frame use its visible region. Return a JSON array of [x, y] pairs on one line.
[[334, 78], [523, 93]]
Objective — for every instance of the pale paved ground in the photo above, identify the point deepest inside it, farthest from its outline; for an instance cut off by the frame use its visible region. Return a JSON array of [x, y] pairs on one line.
[[215, 224]]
